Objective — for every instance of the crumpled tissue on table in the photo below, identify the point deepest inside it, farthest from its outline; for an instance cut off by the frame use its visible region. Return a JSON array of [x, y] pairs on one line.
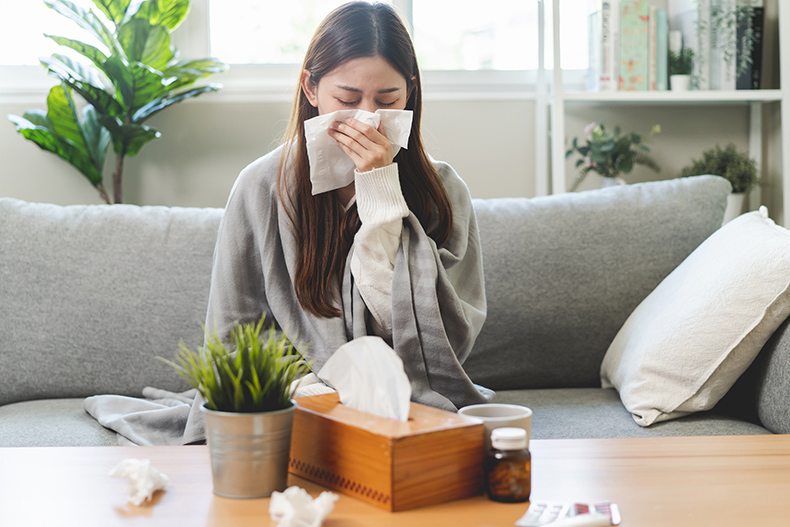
[[294, 507], [144, 479], [369, 376], [330, 167]]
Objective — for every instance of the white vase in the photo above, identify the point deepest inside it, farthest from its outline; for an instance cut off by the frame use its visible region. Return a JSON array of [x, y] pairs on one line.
[[736, 203], [612, 182], [679, 82]]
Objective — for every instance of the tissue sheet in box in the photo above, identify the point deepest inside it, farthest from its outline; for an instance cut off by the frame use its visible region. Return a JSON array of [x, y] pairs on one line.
[[434, 457]]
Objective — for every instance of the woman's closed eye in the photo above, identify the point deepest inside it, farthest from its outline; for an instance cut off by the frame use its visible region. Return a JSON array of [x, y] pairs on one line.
[[381, 104]]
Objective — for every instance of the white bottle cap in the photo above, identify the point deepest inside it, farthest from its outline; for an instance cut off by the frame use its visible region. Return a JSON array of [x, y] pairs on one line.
[[509, 438]]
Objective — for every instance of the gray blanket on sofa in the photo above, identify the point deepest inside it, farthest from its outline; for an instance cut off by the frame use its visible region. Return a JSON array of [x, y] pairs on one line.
[[439, 304]]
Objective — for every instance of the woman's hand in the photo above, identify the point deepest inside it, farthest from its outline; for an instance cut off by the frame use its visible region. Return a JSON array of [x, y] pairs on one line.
[[367, 147]]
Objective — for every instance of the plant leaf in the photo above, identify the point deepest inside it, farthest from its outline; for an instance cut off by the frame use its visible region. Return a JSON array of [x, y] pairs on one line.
[[146, 43], [60, 132], [114, 9], [84, 81], [168, 13], [97, 137], [160, 104], [87, 20], [92, 53], [128, 139], [626, 165], [137, 83], [188, 72]]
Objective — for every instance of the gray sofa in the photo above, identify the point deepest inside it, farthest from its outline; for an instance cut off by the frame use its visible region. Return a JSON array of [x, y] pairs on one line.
[[90, 295]]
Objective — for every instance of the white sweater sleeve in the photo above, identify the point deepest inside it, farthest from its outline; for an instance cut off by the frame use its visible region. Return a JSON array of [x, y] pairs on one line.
[[381, 209]]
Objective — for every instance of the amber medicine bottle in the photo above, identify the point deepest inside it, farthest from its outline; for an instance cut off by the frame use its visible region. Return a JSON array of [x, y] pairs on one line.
[[508, 466]]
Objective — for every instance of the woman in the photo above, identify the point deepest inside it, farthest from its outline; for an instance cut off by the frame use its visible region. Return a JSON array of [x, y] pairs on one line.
[[396, 253]]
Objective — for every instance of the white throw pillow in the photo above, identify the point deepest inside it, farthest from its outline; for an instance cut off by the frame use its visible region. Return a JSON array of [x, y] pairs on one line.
[[686, 344]]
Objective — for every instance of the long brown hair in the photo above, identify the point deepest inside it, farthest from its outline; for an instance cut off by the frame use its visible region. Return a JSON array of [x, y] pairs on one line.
[[322, 228]]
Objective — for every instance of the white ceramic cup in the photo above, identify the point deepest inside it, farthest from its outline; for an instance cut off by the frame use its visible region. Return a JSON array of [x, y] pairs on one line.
[[497, 415]]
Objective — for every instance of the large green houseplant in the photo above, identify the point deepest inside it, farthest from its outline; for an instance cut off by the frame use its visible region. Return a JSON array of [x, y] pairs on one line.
[[132, 75], [248, 407]]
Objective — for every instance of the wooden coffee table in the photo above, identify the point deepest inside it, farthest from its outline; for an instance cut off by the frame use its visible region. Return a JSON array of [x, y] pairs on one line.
[[677, 481]]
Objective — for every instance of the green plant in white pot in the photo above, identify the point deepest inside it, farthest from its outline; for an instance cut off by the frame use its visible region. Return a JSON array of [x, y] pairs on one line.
[[248, 406], [680, 65], [735, 166]]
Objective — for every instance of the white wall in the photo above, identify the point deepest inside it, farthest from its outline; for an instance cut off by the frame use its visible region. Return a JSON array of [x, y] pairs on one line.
[[206, 142]]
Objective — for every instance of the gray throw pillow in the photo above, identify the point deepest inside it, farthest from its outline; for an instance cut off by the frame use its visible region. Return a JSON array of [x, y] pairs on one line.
[[563, 273]]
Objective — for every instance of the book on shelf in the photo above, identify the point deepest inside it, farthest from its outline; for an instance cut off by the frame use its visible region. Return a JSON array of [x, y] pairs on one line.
[[595, 67], [603, 45], [749, 77], [610, 44], [662, 44], [634, 58], [657, 45]]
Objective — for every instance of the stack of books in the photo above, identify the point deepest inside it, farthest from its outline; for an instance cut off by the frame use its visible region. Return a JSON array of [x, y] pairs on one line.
[[629, 43]]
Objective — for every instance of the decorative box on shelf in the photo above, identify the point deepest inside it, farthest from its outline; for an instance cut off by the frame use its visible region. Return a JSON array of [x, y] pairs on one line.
[[436, 456]]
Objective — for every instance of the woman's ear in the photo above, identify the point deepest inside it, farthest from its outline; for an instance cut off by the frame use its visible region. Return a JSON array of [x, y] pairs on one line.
[[412, 87], [309, 88]]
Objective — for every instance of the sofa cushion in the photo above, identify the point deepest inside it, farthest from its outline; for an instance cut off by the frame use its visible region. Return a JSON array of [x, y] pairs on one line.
[[563, 273], [92, 294], [52, 422], [576, 413], [686, 344]]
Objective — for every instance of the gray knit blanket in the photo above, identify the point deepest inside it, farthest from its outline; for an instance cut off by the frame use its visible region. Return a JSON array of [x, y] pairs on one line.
[[438, 305]]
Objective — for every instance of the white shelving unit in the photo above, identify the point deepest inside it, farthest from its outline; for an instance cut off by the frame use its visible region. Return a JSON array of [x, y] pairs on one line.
[[556, 182]]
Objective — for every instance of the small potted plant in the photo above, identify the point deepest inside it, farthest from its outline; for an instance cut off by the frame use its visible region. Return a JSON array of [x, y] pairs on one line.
[[248, 406], [610, 154], [735, 166], [680, 64]]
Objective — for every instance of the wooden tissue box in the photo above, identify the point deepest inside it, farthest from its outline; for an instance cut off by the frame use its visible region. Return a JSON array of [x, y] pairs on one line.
[[434, 457]]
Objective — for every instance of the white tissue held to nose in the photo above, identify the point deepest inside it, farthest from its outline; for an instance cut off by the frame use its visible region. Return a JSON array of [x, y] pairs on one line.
[[294, 507], [144, 479], [369, 376], [330, 167]]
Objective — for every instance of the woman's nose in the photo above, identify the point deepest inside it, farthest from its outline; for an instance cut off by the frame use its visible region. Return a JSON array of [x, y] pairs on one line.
[[368, 106]]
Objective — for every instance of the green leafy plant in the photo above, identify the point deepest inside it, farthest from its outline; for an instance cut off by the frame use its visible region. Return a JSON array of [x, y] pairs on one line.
[[609, 153], [725, 20], [255, 377], [680, 63], [735, 166], [133, 74]]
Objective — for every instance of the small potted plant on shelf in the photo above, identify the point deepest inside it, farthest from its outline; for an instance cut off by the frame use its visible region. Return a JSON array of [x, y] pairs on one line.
[[680, 64], [735, 166], [248, 406], [610, 154]]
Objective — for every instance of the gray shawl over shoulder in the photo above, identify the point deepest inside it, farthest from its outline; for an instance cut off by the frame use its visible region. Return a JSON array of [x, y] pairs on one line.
[[438, 296]]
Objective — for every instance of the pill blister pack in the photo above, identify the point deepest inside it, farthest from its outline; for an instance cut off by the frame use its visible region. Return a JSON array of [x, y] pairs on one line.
[[559, 514]]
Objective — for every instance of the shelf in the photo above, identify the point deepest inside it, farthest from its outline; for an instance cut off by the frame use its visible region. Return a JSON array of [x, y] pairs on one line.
[[559, 97], [670, 97]]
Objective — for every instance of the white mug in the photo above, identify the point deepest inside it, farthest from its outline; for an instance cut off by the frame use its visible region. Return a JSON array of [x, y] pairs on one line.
[[498, 415]]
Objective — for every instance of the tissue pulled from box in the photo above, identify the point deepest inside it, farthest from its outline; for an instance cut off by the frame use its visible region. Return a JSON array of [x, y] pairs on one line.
[[369, 376], [294, 507], [330, 166], [144, 479]]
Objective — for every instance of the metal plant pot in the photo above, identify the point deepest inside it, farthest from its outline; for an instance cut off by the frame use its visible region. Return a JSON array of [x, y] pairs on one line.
[[249, 452]]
